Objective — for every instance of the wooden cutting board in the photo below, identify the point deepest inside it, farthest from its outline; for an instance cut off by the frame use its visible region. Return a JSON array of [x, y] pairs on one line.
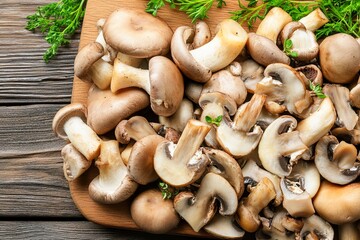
[[119, 215]]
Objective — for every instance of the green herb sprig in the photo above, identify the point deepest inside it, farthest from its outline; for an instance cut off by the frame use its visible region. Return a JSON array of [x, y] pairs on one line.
[[58, 21], [216, 121], [167, 191], [195, 9], [288, 44], [317, 90]]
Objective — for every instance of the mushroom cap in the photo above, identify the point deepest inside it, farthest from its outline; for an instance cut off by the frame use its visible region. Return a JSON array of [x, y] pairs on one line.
[[218, 98], [166, 86], [312, 73], [152, 213], [65, 113], [339, 57], [137, 33], [85, 58], [107, 109], [178, 120]]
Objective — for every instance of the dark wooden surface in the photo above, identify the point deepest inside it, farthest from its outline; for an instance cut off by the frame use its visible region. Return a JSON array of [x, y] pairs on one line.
[[35, 201]]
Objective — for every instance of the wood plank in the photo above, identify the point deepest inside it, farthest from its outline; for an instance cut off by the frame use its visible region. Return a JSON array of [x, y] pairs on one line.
[[31, 178], [70, 230]]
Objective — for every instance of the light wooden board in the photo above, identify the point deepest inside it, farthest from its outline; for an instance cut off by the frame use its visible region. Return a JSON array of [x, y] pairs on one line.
[[119, 215]]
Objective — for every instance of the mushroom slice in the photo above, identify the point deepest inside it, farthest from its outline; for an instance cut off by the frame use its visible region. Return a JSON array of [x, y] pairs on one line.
[[352, 136], [316, 228], [340, 96], [142, 35], [198, 210], [163, 81], [69, 123], [147, 203], [355, 95], [135, 128], [178, 120], [183, 163], [283, 86], [241, 136], [311, 129], [251, 74], [198, 64], [280, 146], [249, 207], [336, 161], [107, 109], [251, 171], [75, 163], [223, 164], [141, 160], [113, 184], [224, 227]]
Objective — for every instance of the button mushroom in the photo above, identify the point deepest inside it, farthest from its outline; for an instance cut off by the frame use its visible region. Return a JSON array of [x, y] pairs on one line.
[[336, 161], [224, 227], [316, 228], [69, 123], [251, 74], [183, 163], [199, 209], [113, 184], [280, 146], [163, 81], [198, 64]]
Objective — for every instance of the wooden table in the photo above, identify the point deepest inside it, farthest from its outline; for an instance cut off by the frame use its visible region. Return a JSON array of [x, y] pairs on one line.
[[35, 201]]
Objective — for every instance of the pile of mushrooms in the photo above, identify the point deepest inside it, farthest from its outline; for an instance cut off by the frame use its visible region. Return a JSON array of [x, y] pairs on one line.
[[232, 128]]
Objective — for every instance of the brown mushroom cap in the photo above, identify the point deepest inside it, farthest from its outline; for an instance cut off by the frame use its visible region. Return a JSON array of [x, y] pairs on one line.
[[137, 33], [86, 57]]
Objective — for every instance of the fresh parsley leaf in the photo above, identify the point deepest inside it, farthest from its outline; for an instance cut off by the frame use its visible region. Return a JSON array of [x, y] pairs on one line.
[[288, 44], [216, 121], [317, 90], [167, 191]]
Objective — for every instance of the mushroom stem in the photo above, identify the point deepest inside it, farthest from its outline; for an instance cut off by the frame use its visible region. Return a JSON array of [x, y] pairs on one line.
[[349, 231], [125, 76], [223, 48], [273, 23], [129, 60], [84, 139], [346, 154], [314, 20]]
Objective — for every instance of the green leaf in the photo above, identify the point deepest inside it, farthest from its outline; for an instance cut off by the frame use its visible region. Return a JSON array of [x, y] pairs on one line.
[[317, 90], [216, 121]]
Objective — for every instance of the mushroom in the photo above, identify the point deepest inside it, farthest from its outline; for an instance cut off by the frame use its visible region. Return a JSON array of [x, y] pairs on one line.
[[355, 95], [178, 120], [274, 21], [304, 42], [107, 109], [312, 73], [314, 20], [224, 227], [193, 90], [75, 163], [109, 52], [113, 184], [198, 64], [299, 188], [352, 136], [349, 231], [90, 67], [311, 129], [223, 164], [183, 163], [316, 228], [284, 90], [202, 34], [264, 51], [227, 82], [251, 74], [199, 209], [346, 198], [280, 146], [253, 173], [339, 95], [336, 161], [241, 136], [136, 33], [339, 58], [141, 160], [162, 81], [151, 201], [69, 123], [249, 207]]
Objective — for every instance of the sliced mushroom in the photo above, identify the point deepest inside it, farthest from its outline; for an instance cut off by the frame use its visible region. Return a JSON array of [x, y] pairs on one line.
[[251, 74], [141, 34], [178, 120], [241, 136], [147, 203], [162, 81], [280, 146], [75, 163], [199, 209], [352, 136], [316, 228], [249, 207], [106, 109], [336, 161], [224, 227], [340, 96], [183, 163], [346, 198], [69, 123], [198, 64], [355, 95], [113, 184]]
